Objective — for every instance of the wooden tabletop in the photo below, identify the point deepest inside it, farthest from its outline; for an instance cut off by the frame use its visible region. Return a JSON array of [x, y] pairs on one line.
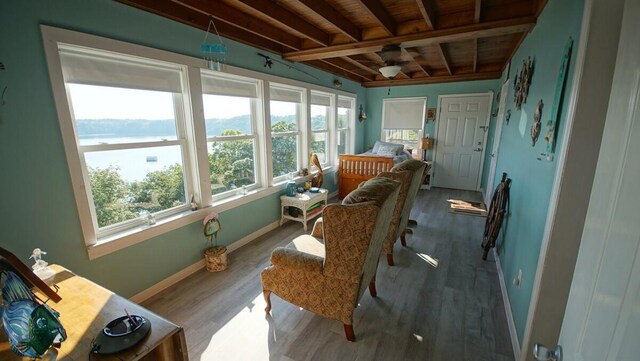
[[86, 308]]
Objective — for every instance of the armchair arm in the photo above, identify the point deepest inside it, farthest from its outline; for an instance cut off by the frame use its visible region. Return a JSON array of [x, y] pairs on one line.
[[294, 259], [317, 229]]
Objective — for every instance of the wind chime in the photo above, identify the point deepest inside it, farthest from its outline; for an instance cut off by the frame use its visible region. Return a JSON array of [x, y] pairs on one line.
[[215, 55]]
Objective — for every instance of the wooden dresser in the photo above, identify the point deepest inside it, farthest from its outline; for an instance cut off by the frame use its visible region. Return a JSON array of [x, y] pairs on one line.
[[86, 308]]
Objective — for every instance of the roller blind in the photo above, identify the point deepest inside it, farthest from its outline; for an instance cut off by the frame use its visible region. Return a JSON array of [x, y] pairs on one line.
[[286, 95], [320, 99], [403, 113], [230, 87], [344, 102], [81, 66]]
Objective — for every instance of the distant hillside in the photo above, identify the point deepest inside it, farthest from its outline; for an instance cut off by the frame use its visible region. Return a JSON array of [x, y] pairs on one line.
[[116, 128]]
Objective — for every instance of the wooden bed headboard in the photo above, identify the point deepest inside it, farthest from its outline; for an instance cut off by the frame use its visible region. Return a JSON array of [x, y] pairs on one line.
[[355, 169]]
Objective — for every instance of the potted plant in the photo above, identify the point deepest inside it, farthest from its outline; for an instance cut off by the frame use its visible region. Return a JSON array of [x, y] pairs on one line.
[[215, 256]]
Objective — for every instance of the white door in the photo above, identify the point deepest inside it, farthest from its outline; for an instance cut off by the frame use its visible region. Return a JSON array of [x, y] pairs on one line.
[[602, 320], [493, 156], [460, 140]]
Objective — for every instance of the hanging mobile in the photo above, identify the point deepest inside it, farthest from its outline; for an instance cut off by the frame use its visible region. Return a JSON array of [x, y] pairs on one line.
[[214, 54]]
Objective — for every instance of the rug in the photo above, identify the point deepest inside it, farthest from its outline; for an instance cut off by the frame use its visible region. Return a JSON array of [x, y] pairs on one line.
[[469, 208]]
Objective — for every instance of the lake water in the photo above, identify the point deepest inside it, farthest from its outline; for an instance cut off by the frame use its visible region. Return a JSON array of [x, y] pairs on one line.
[[134, 164]]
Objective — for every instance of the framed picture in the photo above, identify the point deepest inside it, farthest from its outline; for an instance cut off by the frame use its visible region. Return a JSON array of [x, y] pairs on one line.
[[431, 114]]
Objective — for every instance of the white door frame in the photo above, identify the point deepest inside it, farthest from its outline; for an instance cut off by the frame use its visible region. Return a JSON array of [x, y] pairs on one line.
[[571, 192], [493, 162], [484, 142]]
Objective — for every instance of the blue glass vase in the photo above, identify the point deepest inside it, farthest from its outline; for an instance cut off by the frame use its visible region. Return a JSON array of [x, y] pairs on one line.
[[291, 188]]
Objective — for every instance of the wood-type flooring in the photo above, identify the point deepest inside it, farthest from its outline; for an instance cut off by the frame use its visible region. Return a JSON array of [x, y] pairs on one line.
[[439, 302]]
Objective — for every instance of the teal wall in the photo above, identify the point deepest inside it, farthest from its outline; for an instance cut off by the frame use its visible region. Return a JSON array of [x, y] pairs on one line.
[[532, 179], [38, 207], [375, 96]]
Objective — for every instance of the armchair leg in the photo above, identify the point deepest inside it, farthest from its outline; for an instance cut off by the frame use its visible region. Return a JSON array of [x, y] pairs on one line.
[[390, 259], [267, 297], [403, 240], [372, 288], [348, 331], [412, 222]]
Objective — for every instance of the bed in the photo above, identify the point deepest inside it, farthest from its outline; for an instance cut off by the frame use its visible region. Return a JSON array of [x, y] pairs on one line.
[[353, 169]]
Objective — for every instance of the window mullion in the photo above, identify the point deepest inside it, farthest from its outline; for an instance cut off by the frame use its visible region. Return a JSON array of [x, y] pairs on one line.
[[196, 133]]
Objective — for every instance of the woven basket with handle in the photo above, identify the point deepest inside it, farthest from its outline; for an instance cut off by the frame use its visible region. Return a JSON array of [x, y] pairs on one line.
[[215, 258]]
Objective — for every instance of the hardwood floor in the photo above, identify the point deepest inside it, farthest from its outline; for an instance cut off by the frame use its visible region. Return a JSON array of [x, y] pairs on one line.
[[439, 302]]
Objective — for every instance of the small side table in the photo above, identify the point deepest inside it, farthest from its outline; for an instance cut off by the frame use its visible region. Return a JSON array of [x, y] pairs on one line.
[[303, 201]]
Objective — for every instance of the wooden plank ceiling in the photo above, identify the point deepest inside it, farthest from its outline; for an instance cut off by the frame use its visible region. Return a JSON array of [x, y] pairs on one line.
[[439, 40]]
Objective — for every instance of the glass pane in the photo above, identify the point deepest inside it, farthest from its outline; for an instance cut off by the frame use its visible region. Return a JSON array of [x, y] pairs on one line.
[[284, 155], [319, 146], [408, 137], [118, 115], [227, 115], [343, 117], [231, 164], [284, 116], [319, 116], [129, 183], [342, 142]]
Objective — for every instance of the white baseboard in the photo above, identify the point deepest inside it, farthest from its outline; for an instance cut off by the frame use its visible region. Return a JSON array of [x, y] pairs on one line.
[[186, 272], [507, 309]]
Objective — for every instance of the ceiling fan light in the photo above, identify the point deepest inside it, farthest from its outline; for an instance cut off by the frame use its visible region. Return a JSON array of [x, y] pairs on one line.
[[390, 71]]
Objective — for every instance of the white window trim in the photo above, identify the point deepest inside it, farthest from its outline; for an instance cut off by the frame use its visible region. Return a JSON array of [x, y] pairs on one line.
[[197, 146]]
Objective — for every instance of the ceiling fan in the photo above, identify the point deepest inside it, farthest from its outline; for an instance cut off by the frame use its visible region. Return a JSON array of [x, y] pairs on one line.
[[392, 57]]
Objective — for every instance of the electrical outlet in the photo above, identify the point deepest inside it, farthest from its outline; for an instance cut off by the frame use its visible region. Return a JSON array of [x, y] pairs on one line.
[[518, 280]]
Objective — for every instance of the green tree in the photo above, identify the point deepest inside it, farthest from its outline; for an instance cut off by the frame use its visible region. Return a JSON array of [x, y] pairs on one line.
[[110, 194], [283, 149], [159, 190], [231, 162]]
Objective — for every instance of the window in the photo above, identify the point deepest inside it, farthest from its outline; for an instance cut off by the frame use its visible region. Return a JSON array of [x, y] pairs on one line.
[[403, 120], [321, 116], [230, 105], [285, 108], [128, 117], [151, 135], [344, 124]]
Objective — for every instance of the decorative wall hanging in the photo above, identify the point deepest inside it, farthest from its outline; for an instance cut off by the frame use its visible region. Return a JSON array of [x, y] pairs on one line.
[[535, 127], [552, 124], [431, 114], [337, 83], [508, 116], [214, 54], [362, 116], [268, 63], [521, 83]]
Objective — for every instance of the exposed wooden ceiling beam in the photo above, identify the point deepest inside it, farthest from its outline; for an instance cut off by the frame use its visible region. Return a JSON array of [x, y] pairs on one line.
[[445, 58], [538, 5], [475, 55], [476, 13], [325, 11], [428, 12], [431, 80], [359, 64], [199, 20], [322, 65], [488, 29], [380, 15], [346, 66], [223, 12], [289, 20]]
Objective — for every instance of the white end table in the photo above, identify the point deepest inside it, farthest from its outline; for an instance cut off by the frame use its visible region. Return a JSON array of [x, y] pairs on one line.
[[303, 201]]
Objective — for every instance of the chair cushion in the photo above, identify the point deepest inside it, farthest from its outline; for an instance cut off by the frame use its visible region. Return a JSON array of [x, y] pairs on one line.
[[409, 164]]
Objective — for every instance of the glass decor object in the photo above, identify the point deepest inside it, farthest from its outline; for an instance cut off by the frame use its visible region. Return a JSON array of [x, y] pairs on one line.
[[31, 327]]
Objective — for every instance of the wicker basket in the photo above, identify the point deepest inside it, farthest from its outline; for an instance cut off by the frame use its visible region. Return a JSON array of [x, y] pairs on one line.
[[215, 258]]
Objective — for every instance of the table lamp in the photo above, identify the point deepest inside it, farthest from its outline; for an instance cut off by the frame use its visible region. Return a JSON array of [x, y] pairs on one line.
[[425, 143]]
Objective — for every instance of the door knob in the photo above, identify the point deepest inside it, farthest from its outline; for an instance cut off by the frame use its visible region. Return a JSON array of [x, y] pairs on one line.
[[542, 353], [478, 150]]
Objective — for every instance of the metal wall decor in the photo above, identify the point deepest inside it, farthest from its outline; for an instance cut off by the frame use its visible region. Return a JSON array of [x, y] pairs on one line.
[[521, 83], [535, 127]]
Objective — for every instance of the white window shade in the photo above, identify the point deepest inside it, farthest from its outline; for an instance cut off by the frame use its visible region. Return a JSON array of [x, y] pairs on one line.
[[344, 103], [82, 67], [286, 95], [230, 87], [403, 113], [320, 99]]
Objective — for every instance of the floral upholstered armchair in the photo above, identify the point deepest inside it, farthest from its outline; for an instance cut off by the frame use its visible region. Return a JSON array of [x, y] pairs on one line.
[[418, 169], [394, 232], [328, 276]]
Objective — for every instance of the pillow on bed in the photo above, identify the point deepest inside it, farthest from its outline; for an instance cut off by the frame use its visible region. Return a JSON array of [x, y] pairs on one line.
[[387, 150], [396, 147]]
